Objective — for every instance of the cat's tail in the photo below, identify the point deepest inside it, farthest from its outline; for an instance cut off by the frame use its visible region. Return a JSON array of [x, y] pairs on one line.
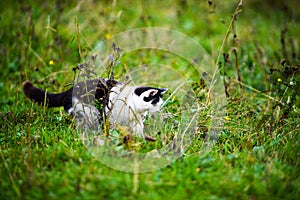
[[44, 98]]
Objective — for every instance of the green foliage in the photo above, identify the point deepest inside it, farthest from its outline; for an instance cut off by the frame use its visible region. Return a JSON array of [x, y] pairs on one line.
[[257, 153]]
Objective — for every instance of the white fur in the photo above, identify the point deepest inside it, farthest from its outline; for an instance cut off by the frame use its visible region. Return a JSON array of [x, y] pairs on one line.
[[86, 112], [124, 108]]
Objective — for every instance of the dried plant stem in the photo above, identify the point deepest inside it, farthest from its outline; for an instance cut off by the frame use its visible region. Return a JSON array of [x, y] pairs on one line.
[[235, 50], [78, 37], [237, 66], [236, 12], [229, 29]]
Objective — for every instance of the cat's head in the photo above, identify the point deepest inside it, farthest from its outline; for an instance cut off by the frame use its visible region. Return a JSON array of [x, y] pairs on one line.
[[149, 98]]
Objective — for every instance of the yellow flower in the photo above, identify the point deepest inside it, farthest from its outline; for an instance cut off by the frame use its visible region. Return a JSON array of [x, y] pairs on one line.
[[227, 118], [279, 80], [107, 36], [51, 62]]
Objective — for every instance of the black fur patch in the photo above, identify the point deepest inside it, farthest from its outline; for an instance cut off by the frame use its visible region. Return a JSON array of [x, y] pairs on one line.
[[140, 90], [154, 99]]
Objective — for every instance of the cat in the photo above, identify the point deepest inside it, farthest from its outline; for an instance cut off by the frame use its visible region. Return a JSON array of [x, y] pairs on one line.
[[95, 100]]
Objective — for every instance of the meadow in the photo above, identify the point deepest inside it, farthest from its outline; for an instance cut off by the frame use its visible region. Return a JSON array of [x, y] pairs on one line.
[[254, 44]]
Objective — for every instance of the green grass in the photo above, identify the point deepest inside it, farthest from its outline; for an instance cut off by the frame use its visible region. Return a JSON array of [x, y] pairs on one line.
[[255, 157]]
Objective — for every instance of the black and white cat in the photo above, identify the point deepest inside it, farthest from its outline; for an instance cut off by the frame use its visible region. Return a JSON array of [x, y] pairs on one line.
[[122, 104]]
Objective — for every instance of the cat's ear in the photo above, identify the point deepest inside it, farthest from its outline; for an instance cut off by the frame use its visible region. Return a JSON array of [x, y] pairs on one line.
[[150, 92]]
